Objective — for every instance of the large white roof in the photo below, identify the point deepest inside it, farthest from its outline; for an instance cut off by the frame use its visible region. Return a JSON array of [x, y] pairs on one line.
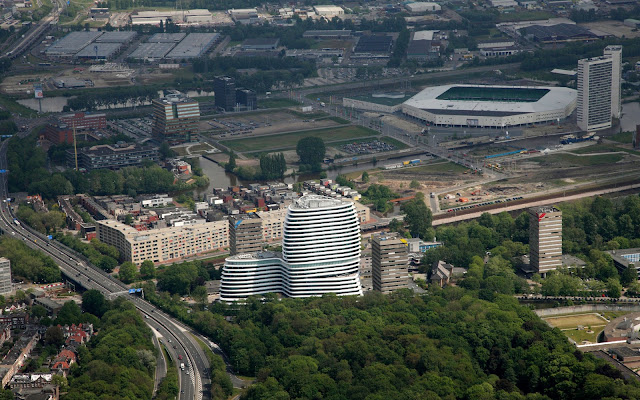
[[556, 98]]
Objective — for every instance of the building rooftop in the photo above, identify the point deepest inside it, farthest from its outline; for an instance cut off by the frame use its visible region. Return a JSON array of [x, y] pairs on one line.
[[174, 96], [152, 50], [116, 37], [315, 201], [99, 50], [167, 37], [72, 43], [194, 45], [544, 209]]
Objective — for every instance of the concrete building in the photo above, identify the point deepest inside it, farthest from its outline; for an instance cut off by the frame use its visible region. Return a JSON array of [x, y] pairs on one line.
[[84, 121], [623, 258], [545, 239], [595, 83], [116, 156], [224, 88], [328, 11], [175, 118], [245, 235], [165, 244], [421, 7], [246, 99], [389, 263], [320, 254], [5, 275], [615, 53]]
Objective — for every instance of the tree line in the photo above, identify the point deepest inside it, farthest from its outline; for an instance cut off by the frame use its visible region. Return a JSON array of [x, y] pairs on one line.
[[27, 263]]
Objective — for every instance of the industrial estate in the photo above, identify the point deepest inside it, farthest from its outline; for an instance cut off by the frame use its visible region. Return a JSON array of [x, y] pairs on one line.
[[361, 200]]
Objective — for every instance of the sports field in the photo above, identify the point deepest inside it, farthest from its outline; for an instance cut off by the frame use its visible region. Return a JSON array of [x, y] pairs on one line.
[[471, 93], [287, 141], [572, 321]]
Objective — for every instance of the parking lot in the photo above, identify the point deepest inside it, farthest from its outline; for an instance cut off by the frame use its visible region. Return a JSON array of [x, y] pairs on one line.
[[262, 123], [371, 147], [486, 203], [137, 128]]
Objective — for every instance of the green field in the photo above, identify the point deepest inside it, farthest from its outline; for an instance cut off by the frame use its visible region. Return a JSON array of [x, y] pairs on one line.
[[278, 103], [568, 160], [287, 141], [471, 93], [622, 137], [526, 15], [579, 336]]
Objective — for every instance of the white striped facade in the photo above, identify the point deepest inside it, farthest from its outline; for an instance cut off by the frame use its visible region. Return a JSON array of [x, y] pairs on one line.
[[320, 254]]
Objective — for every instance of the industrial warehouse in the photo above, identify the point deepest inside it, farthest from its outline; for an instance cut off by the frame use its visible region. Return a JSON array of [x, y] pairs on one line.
[[490, 106]]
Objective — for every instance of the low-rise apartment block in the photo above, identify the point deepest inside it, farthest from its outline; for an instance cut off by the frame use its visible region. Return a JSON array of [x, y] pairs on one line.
[[165, 244]]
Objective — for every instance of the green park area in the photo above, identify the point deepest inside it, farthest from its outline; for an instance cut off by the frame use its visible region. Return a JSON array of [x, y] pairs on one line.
[[289, 140], [278, 103]]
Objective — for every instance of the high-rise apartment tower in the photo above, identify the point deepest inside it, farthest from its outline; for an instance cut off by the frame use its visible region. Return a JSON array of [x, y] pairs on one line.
[[389, 263], [615, 53], [245, 235], [545, 239], [5, 275], [320, 254], [224, 88]]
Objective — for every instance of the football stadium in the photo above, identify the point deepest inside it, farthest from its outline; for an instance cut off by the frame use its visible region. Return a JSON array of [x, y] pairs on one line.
[[490, 106]]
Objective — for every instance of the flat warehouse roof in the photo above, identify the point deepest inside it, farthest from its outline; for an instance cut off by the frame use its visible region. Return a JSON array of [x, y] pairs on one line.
[[152, 50], [166, 37], [116, 37], [194, 45], [104, 50], [72, 43]]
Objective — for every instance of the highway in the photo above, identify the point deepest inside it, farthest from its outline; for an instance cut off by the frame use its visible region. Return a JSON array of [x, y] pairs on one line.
[[178, 338], [37, 30]]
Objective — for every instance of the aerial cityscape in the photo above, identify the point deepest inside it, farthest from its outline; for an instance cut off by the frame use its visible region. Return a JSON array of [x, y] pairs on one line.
[[291, 200]]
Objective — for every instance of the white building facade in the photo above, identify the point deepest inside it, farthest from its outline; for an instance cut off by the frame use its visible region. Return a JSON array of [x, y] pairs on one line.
[[320, 254], [594, 93]]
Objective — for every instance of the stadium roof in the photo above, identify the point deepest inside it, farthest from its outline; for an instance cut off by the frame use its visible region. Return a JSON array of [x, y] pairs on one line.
[[116, 37], [72, 43], [151, 50], [386, 99], [432, 99], [374, 44]]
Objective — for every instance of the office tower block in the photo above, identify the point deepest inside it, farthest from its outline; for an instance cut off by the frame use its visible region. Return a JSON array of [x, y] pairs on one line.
[[5, 275], [245, 235], [389, 263], [175, 118], [545, 238], [320, 254], [246, 99], [224, 89], [594, 93], [615, 53]]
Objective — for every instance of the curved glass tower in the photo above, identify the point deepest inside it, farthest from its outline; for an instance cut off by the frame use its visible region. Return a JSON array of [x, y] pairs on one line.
[[320, 254]]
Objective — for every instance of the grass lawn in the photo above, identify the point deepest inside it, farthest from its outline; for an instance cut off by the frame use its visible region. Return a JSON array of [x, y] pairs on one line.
[[572, 321], [603, 148], [339, 120], [203, 98], [573, 160], [17, 108], [622, 137], [528, 15], [289, 140], [278, 103], [579, 336]]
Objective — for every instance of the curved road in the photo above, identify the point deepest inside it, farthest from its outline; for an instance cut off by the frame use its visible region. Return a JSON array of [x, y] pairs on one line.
[[179, 338]]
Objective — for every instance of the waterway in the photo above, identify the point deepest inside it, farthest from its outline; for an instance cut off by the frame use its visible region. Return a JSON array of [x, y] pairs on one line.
[[218, 177]]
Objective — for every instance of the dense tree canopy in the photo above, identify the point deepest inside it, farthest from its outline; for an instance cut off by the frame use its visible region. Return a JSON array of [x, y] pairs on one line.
[[120, 361], [27, 263], [311, 151]]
